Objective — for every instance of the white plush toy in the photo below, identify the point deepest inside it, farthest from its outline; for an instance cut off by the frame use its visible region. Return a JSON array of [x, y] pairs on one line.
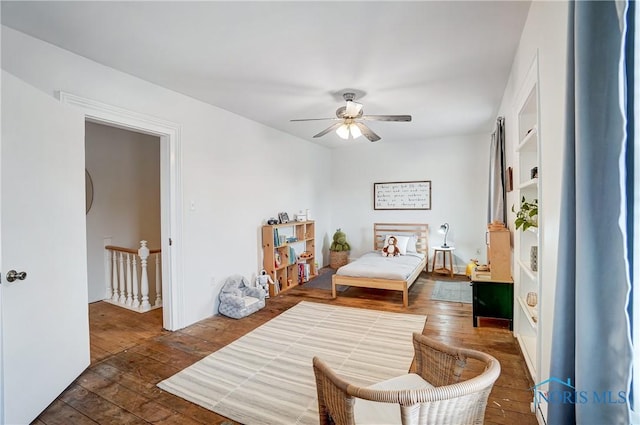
[[263, 281]]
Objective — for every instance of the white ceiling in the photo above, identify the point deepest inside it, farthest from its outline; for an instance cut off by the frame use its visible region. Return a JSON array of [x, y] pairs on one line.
[[446, 63]]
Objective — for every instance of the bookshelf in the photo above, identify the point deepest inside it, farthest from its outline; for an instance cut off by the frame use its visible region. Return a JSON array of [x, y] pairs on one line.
[[289, 254], [526, 246]]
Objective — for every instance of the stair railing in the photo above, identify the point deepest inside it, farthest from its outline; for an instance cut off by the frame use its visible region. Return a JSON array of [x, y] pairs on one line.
[[123, 286]]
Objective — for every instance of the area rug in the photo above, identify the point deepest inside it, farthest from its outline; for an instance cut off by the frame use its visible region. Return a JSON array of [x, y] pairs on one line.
[[460, 291], [266, 376], [323, 281]]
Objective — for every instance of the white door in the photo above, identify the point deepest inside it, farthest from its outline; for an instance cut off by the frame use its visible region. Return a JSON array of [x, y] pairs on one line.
[[44, 318]]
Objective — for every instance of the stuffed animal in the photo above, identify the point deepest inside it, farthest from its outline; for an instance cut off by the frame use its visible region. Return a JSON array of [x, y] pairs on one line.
[[392, 249], [340, 242]]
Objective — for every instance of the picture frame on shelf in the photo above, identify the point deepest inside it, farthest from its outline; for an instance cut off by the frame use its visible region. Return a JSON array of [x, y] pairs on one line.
[[283, 217]]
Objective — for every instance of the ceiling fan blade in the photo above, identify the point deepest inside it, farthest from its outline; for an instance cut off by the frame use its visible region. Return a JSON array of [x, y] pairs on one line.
[[316, 119], [404, 118], [353, 109], [328, 130], [367, 132]]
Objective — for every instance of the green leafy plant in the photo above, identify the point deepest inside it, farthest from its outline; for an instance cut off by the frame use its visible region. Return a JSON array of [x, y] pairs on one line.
[[527, 215]]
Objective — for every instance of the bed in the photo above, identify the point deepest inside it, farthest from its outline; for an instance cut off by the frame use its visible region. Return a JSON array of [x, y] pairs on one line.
[[373, 270]]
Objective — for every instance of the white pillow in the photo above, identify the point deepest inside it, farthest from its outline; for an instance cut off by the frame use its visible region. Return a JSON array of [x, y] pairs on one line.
[[401, 243], [411, 245], [373, 412]]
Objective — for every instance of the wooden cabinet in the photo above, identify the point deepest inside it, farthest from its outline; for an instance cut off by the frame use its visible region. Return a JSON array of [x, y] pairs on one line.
[[526, 243], [499, 253], [289, 254], [492, 297]]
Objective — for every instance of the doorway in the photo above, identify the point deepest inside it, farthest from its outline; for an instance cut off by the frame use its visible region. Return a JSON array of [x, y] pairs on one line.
[[123, 171], [170, 191]]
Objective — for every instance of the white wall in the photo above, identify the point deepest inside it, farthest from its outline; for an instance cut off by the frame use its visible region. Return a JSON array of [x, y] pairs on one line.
[[125, 169], [458, 168], [235, 172], [545, 32]]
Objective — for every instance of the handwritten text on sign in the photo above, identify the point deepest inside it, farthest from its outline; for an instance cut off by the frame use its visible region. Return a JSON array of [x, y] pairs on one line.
[[402, 196]]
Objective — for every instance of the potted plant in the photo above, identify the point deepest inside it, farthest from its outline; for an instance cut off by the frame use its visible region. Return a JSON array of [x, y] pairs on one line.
[[527, 215], [339, 250]]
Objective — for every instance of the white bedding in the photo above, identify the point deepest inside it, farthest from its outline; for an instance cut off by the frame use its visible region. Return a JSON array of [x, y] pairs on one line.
[[374, 265]]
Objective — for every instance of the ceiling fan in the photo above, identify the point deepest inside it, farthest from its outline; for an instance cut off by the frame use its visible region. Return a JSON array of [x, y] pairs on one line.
[[349, 119]]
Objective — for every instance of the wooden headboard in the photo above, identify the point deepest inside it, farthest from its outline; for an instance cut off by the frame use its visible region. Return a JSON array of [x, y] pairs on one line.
[[420, 230]]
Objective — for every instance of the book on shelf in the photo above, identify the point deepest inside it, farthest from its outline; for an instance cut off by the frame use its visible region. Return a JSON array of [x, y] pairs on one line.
[[292, 255], [304, 271]]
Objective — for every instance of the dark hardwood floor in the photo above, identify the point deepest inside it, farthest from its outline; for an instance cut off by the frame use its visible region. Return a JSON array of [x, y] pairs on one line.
[[131, 353]]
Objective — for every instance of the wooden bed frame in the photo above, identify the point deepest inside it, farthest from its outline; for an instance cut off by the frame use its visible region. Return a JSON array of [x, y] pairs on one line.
[[380, 230]]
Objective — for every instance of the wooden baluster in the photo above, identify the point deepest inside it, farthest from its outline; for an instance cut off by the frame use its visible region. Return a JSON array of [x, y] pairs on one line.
[[107, 275], [129, 301], [136, 300], [121, 281], [114, 275], [143, 252], [158, 282]]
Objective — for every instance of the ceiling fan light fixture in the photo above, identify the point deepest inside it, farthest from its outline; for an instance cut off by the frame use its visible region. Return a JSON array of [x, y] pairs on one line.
[[346, 130], [355, 131], [343, 131]]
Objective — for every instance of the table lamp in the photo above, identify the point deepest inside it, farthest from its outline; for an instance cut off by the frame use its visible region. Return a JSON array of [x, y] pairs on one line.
[[444, 229]]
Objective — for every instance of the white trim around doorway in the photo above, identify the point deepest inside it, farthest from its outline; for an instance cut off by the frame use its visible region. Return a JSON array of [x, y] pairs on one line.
[[170, 186]]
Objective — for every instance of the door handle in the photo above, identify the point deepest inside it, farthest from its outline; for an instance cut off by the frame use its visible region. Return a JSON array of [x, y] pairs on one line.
[[13, 275]]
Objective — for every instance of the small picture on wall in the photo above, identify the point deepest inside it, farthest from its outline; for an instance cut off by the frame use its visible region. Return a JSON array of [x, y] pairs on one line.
[[283, 217], [509, 179]]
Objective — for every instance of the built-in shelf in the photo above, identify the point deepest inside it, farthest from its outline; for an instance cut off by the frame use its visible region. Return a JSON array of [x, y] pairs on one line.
[[529, 312], [533, 275], [529, 141], [533, 183], [526, 280], [528, 347]]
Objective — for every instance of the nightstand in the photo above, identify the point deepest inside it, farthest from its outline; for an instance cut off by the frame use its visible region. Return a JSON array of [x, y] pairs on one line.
[[446, 251]]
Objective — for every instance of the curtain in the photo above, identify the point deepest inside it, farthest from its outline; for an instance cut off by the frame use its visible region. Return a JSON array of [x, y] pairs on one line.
[[497, 176], [590, 340], [633, 199]]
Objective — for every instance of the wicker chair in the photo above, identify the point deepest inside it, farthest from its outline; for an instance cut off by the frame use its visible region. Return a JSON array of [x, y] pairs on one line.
[[433, 394]]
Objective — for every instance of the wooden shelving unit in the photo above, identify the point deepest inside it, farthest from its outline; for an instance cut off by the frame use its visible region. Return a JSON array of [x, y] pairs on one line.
[[499, 253], [288, 248]]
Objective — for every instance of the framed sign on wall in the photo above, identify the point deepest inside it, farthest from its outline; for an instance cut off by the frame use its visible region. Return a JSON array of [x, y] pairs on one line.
[[412, 195]]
